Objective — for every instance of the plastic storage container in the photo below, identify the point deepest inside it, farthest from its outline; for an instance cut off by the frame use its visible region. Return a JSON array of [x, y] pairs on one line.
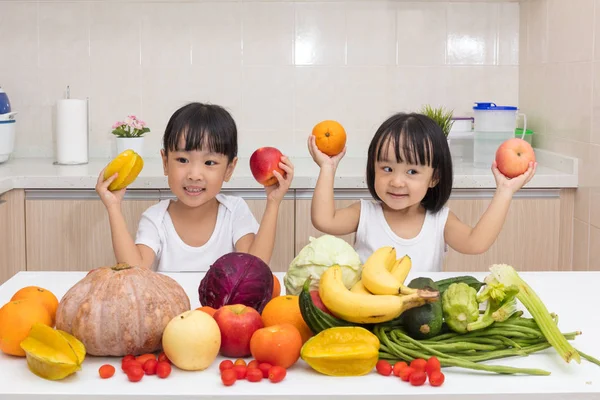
[[460, 139], [528, 137], [7, 139], [493, 125]]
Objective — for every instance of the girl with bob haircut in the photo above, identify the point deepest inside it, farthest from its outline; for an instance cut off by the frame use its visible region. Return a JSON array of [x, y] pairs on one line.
[[188, 234], [409, 175]]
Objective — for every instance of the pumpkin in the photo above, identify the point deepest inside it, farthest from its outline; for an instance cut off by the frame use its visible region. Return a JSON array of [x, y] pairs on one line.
[[330, 137], [120, 310]]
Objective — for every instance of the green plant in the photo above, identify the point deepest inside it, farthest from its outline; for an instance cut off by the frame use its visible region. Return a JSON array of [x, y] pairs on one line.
[[441, 116]]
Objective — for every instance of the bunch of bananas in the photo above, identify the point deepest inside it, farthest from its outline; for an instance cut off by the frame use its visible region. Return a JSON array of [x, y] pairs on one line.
[[379, 296]]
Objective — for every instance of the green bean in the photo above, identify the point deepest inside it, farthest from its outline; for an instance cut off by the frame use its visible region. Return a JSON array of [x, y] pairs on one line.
[[589, 358]]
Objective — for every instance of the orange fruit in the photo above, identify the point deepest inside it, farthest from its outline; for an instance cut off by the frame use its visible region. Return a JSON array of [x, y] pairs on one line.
[[330, 137], [286, 310], [209, 310], [284, 337], [276, 287], [46, 297], [16, 319]]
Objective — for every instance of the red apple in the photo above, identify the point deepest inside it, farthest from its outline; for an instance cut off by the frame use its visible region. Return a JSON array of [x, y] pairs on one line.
[[237, 324], [262, 164], [513, 157], [316, 299]]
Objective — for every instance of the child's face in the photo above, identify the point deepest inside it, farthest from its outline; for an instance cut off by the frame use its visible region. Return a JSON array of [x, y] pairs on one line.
[[401, 185], [196, 176]]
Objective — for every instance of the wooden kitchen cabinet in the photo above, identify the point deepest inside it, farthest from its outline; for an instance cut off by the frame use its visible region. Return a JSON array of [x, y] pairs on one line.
[[12, 234], [284, 251], [69, 231]]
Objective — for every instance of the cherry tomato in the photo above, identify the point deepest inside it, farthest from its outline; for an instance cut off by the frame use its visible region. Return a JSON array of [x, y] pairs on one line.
[[405, 373], [228, 377], [436, 378], [163, 357], [163, 369], [150, 366], [145, 357], [399, 366], [130, 364], [276, 374], [433, 364], [253, 364], [128, 357], [106, 371], [265, 367], [135, 373], [225, 364], [418, 364], [254, 375], [417, 378], [240, 361], [240, 371], [383, 367]]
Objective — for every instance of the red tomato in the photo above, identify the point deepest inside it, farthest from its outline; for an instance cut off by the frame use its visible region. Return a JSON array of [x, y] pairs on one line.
[[106, 371], [130, 364], [228, 377], [145, 357], [135, 373], [254, 375], [225, 364], [436, 378], [265, 367], [433, 364], [399, 366], [417, 378], [383, 367], [418, 364], [253, 364], [240, 371], [150, 366], [163, 369], [276, 374], [163, 357], [405, 373]]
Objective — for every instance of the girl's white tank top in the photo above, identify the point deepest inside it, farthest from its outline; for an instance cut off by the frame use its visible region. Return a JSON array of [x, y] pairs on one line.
[[426, 250]]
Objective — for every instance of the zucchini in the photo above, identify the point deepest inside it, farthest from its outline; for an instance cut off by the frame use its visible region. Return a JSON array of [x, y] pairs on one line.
[[425, 321], [469, 280], [316, 319]]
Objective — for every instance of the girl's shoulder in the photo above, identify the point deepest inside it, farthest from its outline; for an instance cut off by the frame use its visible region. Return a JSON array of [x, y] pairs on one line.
[[157, 211], [232, 203]]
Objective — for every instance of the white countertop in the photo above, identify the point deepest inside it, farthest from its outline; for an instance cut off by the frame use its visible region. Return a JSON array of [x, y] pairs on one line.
[[565, 293], [554, 171]]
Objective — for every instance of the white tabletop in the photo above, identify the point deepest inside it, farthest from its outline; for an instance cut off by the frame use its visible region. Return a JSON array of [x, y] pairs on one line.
[[572, 295]]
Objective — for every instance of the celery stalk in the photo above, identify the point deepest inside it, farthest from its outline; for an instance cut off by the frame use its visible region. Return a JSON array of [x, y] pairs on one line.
[[508, 276]]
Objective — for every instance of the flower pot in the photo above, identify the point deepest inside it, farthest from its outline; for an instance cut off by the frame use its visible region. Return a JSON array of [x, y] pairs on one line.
[[134, 143]]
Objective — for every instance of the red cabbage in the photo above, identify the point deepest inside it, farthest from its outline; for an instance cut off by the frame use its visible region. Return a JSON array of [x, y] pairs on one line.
[[237, 278]]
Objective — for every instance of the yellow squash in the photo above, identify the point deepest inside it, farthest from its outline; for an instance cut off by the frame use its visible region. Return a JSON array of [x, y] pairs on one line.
[[128, 165], [342, 351], [52, 354]]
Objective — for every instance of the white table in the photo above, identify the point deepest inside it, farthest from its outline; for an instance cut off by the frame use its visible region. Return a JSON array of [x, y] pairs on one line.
[[577, 310]]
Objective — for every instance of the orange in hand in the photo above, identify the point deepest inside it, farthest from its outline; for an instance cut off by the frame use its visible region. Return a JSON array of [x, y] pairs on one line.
[[276, 345], [44, 296], [330, 137]]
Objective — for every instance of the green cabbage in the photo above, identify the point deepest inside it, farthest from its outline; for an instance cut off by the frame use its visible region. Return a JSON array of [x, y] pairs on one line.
[[320, 254]]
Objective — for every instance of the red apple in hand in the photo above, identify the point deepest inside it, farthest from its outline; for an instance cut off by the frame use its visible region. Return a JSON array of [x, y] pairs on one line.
[[316, 299], [262, 164], [237, 323], [513, 157]]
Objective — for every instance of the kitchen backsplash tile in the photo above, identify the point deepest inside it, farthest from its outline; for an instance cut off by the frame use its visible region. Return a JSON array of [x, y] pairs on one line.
[[320, 36], [537, 32], [570, 24], [278, 66]]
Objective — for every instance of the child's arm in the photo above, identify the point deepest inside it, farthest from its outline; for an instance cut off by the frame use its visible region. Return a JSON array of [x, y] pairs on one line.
[[477, 240], [125, 249], [323, 214], [261, 245]]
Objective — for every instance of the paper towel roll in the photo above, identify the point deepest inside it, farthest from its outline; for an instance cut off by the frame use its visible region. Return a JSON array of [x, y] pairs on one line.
[[71, 131]]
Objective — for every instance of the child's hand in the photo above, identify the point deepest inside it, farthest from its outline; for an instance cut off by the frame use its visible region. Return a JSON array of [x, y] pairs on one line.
[[516, 183], [277, 191], [322, 159], [109, 199]]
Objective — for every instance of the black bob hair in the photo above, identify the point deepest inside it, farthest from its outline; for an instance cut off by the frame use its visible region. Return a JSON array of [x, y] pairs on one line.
[[423, 143], [204, 127]]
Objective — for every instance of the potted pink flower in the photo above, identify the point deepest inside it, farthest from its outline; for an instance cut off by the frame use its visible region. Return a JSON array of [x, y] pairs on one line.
[[130, 134]]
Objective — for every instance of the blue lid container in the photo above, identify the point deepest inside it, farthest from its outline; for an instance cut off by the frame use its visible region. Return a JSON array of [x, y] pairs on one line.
[[4, 102]]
